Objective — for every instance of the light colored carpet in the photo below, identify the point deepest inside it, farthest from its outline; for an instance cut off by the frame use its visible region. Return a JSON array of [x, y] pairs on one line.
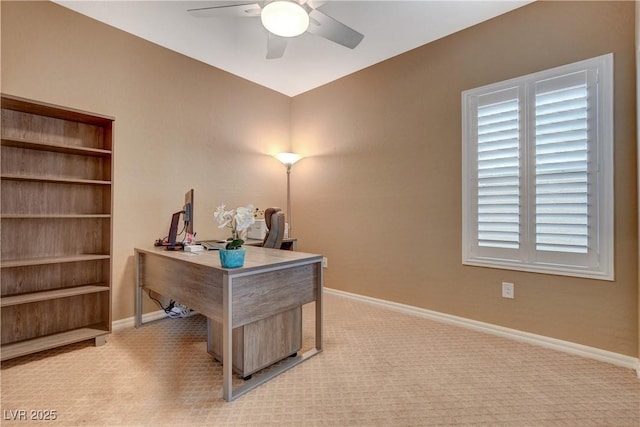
[[378, 368]]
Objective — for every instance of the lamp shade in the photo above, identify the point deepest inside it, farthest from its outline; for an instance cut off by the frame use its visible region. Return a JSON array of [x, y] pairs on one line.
[[288, 159], [285, 18]]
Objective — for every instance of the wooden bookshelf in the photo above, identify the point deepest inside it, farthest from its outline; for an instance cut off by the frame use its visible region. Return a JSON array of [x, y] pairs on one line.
[[55, 212]]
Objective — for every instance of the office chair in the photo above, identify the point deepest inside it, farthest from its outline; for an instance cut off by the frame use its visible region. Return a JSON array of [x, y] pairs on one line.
[[274, 220]]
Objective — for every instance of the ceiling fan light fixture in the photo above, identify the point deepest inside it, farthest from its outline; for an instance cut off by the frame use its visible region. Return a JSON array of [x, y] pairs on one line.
[[285, 18]]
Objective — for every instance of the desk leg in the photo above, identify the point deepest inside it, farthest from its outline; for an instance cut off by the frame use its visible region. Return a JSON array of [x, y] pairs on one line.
[[319, 291], [138, 262], [227, 336]]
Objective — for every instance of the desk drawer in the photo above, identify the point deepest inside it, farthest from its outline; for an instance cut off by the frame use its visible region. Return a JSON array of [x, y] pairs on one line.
[[261, 343]]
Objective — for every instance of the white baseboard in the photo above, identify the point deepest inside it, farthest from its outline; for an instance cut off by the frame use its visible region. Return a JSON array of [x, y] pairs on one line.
[[130, 322], [541, 340]]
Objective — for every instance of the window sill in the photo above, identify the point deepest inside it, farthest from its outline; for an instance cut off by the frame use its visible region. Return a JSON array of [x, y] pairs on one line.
[[556, 270]]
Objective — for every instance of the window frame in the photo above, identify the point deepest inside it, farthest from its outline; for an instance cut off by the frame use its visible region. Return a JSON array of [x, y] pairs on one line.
[[600, 257]]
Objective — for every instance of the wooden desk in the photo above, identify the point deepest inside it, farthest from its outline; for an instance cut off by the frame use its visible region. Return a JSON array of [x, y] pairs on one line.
[[270, 282]]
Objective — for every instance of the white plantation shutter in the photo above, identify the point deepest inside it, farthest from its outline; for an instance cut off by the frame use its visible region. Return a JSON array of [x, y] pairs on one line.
[[537, 172], [562, 164], [499, 170]]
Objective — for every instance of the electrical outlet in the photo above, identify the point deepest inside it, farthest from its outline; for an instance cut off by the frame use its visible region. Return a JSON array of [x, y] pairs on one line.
[[508, 290], [325, 262]]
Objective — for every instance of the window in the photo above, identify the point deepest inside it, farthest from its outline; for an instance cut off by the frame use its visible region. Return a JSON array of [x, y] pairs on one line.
[[538, 172]]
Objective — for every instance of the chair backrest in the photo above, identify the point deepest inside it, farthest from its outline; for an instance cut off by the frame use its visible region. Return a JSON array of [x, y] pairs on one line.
[[274, 220]]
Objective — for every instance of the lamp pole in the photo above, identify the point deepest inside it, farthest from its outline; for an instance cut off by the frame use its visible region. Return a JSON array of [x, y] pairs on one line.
[[288, 159], [289, 196]]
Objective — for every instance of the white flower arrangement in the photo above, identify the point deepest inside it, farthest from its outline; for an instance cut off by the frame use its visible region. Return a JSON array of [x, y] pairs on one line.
[[237, 220]]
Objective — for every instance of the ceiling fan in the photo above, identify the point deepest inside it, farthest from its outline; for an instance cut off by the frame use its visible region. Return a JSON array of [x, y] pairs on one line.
[[285, 19]]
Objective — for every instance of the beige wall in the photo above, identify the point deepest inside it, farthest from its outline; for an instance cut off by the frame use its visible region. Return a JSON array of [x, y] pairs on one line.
[[179, 123], [380, 193]]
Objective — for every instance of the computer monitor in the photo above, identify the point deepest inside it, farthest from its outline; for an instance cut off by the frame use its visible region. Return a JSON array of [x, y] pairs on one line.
[[188, 212], [173, 232]]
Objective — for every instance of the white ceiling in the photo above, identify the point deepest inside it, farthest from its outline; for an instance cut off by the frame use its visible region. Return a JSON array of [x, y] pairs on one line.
[[238, 45]]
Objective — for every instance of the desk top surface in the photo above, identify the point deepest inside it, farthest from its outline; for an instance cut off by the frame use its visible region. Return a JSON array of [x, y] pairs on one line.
[[256, 258]]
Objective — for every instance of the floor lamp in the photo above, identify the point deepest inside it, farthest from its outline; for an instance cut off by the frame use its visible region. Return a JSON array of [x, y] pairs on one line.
[[288, 159]]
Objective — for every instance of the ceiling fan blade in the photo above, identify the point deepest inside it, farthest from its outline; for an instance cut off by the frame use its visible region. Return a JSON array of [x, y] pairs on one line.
[[325, 26], [276, 46], [242, 10]]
